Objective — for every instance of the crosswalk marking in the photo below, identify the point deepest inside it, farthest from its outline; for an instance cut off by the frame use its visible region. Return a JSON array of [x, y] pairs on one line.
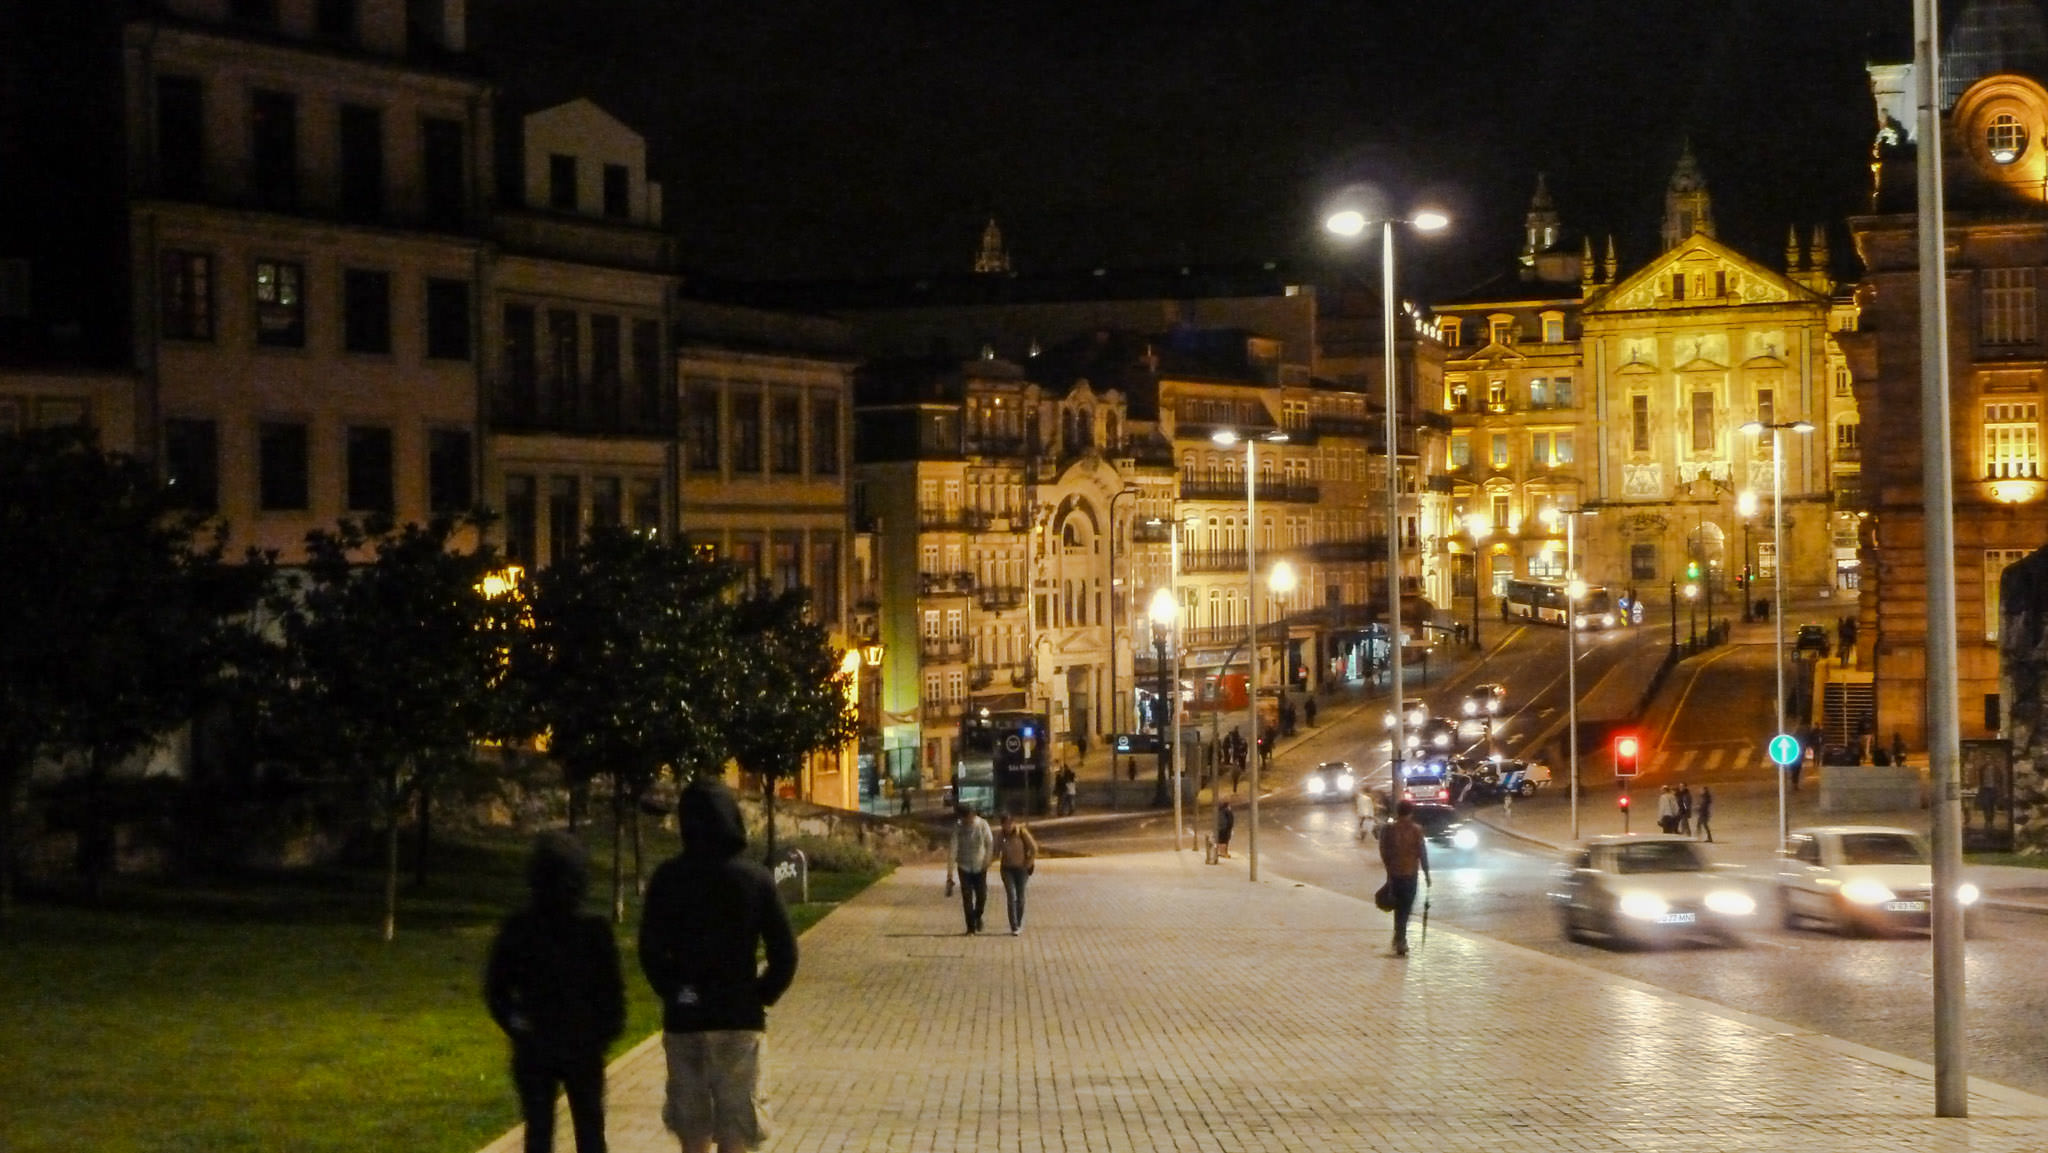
[[1700, 761]]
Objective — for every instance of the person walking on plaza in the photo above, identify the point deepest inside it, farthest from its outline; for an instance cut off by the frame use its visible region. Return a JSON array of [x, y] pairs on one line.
[[1705, 813], [1017, 851], [1225, 821], [708, 913], [972, 847], [1368, 814], [1667, 810], [1404, 852], [553, 985], [1684, 809], [1308, 710]]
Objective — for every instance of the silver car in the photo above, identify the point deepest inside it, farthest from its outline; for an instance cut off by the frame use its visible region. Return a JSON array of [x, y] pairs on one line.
[[1647, 890], [1859, 878]]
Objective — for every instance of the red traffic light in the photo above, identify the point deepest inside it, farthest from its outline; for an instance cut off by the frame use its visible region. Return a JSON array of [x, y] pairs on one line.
[[1623, 802], [1627, 755]]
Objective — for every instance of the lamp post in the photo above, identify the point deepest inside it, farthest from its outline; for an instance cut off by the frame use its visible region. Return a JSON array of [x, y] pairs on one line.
[[1165, 614], [1351, 222], [1574, 589], [1692, 605], [1479, 527], [1745, 507], [1776, 428], [1228, 437]]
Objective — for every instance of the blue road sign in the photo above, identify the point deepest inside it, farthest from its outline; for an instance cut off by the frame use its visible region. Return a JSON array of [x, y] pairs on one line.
[[1784, 749]]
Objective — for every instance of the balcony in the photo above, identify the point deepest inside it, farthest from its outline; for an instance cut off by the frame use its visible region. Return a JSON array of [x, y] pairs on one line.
[[942, 649], [1204, 560], [980, 676], [952, 520], [1848, 454], [1345, 426], [1339, 551], [945, 583], [1220, 488], [1439, 482], [1009, 447], [1142, 533], [1000, 598]]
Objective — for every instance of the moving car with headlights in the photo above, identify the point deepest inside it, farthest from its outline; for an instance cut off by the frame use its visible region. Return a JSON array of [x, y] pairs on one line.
[[1485, 700], [1414, 711], [1859, 878], [1648, 890], [1435, 736], [1446, 829], [1810, 639], [1330, 781]]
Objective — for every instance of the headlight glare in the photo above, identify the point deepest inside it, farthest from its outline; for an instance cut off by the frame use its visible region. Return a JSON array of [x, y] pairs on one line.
[[1464, 839], [1346, 782], [1967, 893], [1867, 892], [1643, 906], [1730, 903], [1315, 786]]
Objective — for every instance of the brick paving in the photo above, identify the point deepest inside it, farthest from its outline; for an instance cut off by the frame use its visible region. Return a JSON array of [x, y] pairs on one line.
[[1154, 1003]]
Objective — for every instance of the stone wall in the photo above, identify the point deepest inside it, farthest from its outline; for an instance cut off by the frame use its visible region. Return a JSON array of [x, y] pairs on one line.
[[2023, 684]]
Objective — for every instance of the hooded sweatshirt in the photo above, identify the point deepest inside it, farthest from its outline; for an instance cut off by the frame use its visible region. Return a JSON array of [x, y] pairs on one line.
[[707, 911], [552, 982]]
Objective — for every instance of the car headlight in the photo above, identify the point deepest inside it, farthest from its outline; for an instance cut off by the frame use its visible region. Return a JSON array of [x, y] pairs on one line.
[[1867, 892], [1967, 893], [1607, 621], [1471, 708], [1643, 906], [1442, 740], [1464, 839], [1731, 903], [1346, 782], [1315, 786], [1389, 722]]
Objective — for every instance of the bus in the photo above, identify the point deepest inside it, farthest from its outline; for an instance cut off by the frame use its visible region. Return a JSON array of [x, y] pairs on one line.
[[1002, 761], [1544, 603]]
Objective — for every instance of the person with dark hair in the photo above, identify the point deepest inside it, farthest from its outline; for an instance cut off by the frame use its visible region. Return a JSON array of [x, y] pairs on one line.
[[1404, 852], [552, 984], [973, 846], [1225, 822], [708, 912], [1704, 816], [1017, 850]]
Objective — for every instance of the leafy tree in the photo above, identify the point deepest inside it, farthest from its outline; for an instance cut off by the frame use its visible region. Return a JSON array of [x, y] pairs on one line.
[[789, 692], [394, 661], [122, 617], [627, 667]]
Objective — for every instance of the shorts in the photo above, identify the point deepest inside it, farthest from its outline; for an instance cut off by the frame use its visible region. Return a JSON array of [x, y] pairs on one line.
[[714, 1087]]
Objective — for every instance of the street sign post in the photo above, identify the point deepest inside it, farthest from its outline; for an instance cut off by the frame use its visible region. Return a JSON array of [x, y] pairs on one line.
[[1784, 749]]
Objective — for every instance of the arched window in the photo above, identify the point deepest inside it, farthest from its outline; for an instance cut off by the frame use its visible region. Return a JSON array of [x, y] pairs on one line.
[[2006, 138]]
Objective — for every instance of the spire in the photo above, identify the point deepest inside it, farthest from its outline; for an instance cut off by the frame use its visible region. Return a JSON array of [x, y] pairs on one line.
[[1817, 255], [1589, 273], [1540, 225], [1791, 248], [1687, 207], [992, 260], [1611, 265]]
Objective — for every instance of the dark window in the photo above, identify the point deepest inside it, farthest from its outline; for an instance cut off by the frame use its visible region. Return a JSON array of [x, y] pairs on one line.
[[187, 295], [1639, 424], [746, 432], [607, 502], [701, 401], [644, 497], [335, 21], [520, 364], [604, 370], [366, 311], [280, 304], [562, 182], [448, 470], [255, 13], [825, 436], [617, 201], [362, 162], [649, 383], [786, 569], [180, 136], [447, 319], [441, 144], [1642, 562], [560, 385], [426, 25], [192, 463], [281, 466], [1720, 283], [825, 579], [369, 469], [274, 149], [1702, 421], [786, 430], [1678, 286], [565, 517], [522, 532]]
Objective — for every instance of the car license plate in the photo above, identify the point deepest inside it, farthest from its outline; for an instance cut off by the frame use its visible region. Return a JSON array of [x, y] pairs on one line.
[[1677, 919], [1905, 906]]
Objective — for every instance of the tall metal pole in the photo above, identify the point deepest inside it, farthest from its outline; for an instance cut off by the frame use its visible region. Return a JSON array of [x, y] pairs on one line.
[[1180, 638], [1393, 440], [1571, 658], [1778, 594], [1944, 735], [1251, 580]]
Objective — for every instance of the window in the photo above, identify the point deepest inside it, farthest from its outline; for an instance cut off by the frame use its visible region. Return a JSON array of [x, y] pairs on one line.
[[1561, 392], [562, 182], [448, 320], [274, 149], [786, 434], [425, 25], [1500, 450], [366, 311], [442, 169], [281, 466], [1453, 330], [1539, 448], [565, 516], [449, 458], [186, 292], [643, 500], [700, 424], [1501, 330], [1642, 562], [522, 532], [1500, 514], [824, 436], [2005, 137], [1702, 421], [1553, 329], [1497, 394], [1461, 452], [1539, 393], [1639, 423], [649, 383], [280, 304], [335, 21], [1996, 561], [565, 361], [605, 381], [192, 463], [180, 136], [2007, 306], [953, 624], [1678, 286], [1561, 448], [746, 431], [1461, 395], [825, 579], [2012, 440], [1848, 438], [607, 502], [1843, 385], [617, 203], [518, 391], [931, 624], [1766, 559], [362, 162], [369, 469]]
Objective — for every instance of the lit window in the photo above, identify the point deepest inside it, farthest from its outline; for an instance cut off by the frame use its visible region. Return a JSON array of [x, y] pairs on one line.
[[2012, 440], [1497, 395], [2006, 138], [1500, 450], [2007, 306], [1561, 448], [1461, 452], [1553, 329], [280, 306]]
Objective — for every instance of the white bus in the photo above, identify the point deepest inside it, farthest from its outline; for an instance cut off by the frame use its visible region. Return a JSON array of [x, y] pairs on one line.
[[1544, 603]]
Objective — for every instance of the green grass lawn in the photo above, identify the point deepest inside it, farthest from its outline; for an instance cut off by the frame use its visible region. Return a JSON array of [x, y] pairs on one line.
[[268, 1015]]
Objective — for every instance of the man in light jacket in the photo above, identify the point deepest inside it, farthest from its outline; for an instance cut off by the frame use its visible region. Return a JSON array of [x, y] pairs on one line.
[[973, 847]]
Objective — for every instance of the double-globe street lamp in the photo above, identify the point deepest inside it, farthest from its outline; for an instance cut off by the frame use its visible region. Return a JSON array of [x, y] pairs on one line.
[[1776, 428], [1352, 222], [1229, 437]]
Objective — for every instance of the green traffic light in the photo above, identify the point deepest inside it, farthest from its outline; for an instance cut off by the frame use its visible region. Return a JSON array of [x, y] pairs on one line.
[[1692, 570]]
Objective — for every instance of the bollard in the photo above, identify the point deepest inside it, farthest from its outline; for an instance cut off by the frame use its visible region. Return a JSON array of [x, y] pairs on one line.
[[1208, 848]]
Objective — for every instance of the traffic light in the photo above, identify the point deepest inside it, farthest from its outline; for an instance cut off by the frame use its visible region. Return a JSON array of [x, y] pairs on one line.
[[1623, 802], [1627, 756], [1692, 570]]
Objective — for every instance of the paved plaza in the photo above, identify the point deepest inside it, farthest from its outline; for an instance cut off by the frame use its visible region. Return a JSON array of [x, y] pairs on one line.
[[1154, 1003]]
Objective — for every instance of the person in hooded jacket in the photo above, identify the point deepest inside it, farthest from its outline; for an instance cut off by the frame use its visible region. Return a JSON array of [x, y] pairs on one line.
[[552, 984], [707, 912]]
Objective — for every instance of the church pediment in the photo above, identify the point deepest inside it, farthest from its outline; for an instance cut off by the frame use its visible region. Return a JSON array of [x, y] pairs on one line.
[[1713, 274], [1759, 362], [1702, 364]]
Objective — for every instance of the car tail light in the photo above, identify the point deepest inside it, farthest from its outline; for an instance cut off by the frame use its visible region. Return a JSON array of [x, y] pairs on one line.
[[1443, 794]]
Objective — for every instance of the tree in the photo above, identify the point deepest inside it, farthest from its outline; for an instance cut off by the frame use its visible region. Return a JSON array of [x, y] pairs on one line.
[[627, 665], [121, 615], [790, 693], [394, 661]]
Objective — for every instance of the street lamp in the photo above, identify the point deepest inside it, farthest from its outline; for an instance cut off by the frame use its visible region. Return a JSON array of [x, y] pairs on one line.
[[1121, 599], [1755, 427], [1745, 507], [1228, 437], [1692, 604], [1165, 614], [1574, 590], [1351, 222], [1480, 528]]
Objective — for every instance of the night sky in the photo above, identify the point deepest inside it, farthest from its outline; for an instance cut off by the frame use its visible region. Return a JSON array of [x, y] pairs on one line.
[[804, 138]]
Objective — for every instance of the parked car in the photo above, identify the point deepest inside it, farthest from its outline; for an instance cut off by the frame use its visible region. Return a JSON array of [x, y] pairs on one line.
[[1859, 878], [1811, 639], [1330, 781], [1644, 890]]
